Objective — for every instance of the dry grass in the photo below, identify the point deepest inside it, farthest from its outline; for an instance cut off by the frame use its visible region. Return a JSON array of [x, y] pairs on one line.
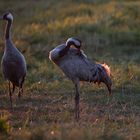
[[110, 33]]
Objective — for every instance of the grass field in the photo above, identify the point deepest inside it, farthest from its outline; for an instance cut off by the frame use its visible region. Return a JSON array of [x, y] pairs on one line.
[[110, 31]]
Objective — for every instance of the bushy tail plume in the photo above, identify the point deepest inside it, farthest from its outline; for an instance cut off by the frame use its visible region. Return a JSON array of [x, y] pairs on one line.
[[104, 74], [107, 69]]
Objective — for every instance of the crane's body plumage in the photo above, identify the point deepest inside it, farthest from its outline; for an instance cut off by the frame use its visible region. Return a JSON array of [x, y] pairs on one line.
[[77, 67], [13, 62]]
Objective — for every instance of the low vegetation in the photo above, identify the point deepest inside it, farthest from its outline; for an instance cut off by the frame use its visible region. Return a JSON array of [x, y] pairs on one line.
[[110, 33]]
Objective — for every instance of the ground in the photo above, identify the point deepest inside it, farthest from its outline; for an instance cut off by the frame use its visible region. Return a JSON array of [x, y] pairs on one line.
[[110, 34]]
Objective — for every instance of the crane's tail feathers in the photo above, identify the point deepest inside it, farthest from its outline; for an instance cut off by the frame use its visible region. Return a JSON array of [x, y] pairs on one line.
[[103, 74], [106, 77], [107, 69]]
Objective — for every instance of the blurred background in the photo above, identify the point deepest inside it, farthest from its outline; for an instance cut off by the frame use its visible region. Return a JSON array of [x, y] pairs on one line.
[[110, 33]]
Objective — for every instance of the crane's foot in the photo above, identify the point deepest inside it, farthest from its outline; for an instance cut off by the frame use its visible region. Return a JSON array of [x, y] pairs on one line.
[[77, 112]]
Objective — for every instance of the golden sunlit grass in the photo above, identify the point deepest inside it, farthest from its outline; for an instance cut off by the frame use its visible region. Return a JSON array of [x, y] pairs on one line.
[[110, 34]]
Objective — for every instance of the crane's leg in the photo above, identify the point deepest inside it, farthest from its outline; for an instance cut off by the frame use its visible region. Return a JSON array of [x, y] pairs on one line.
[[77, 98], [20, 87], [13, 88], [19, 94], [10, 94]]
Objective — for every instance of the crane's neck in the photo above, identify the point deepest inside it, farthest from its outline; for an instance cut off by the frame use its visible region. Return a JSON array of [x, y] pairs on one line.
[[8, 29], [64, 50]]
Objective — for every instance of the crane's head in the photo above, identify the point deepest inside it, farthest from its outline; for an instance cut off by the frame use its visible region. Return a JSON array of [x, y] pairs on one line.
[[74, 41], [7, 16]]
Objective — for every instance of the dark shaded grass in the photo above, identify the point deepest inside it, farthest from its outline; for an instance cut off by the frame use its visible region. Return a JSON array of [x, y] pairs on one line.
[[110, 34]]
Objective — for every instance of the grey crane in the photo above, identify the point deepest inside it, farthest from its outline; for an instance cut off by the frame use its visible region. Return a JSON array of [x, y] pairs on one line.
[[77, 67], [13, 62]]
